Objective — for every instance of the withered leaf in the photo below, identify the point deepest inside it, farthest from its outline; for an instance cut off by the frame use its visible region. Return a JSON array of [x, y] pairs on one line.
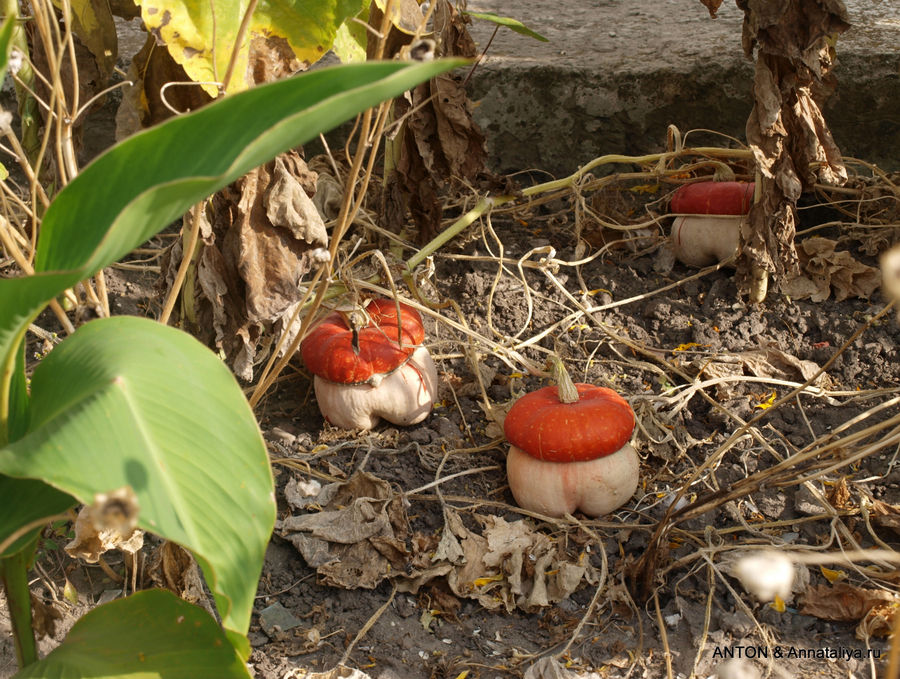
[[439, 144], [173, 568], [143, 105], [825, 270], [842, 601], [110, 522], [43, 617], [878, 621], [786, 130], [258, 241], [839, 495]]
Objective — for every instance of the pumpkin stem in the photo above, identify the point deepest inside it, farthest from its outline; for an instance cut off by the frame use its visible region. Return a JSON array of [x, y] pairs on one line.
[[567, 392]]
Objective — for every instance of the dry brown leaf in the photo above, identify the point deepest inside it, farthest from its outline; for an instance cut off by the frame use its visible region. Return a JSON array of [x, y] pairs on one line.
[[825, 270], [839, 495], [786, 130], [271, 58], [843, 601], [513, 566], [110, 522], [174, 568], [885, 515], [259, 238], [878, 621], [339, 672], [764, 362], [142, 103], [439, 144], [359, 538], [43, 617]]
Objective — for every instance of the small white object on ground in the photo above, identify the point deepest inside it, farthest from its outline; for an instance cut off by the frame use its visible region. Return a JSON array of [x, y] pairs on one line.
[[766, 574]]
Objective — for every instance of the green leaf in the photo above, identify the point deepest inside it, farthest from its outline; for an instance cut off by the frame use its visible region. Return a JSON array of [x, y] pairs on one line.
[[350, 41], [141, 185], [26, 501], [151, 634], [513, 24], [194, 30], [129, 402]]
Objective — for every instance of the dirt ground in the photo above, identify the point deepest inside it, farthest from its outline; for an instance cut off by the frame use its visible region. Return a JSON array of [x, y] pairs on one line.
[[695, 362], [650, 347]]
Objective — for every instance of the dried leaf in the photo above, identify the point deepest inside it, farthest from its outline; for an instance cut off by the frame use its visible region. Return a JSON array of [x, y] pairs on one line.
[[825, 270], [764, 362], [842, 601], [878, 621], [439, 144], [172, 567], [358, 537], [786, 130], [43, 617], [339, 672], [839, 495], [110, 522], [259, 238], [142, 103], [92, 22]]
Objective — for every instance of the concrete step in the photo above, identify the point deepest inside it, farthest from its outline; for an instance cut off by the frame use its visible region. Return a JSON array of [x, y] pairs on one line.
[[615, 73]]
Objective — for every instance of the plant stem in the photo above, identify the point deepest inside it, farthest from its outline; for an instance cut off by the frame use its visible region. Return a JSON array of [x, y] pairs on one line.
[[187, 255], [485, 204], [453, 230], [238, 45], [29, 114], [14, 576], [568, 392]]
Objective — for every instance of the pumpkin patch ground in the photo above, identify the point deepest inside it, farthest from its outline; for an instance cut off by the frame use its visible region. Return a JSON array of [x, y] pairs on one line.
[[400, 552]]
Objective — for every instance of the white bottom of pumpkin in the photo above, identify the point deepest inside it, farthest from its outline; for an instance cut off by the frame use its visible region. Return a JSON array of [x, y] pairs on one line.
[[404, 396], [703, 240], [596, 488]]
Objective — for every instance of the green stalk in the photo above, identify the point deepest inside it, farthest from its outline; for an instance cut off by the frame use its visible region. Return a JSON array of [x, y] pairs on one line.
[[28, 106], [14, 577]]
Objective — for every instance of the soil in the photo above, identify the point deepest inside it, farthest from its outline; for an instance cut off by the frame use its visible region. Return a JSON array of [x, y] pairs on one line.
[[655, 331], [674, 319]]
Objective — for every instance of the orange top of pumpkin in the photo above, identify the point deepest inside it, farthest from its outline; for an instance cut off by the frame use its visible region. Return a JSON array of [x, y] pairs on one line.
[[596, 425], [329, 352], [713, 198]]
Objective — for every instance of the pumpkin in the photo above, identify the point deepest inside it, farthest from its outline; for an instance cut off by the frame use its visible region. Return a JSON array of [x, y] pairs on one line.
[[371, 365], [570, 450], [709, 228]]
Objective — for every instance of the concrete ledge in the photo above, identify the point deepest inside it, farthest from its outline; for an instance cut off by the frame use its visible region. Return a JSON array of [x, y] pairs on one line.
[[615, 73]]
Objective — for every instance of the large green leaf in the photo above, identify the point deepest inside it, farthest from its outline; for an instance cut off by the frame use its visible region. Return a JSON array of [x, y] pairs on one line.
[[129, 402], [26, 501], [201, 36], [149, 635], [139, 186]]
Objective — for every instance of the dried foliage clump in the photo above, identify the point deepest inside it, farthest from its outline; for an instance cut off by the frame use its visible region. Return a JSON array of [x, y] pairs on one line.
[[790, 140]]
